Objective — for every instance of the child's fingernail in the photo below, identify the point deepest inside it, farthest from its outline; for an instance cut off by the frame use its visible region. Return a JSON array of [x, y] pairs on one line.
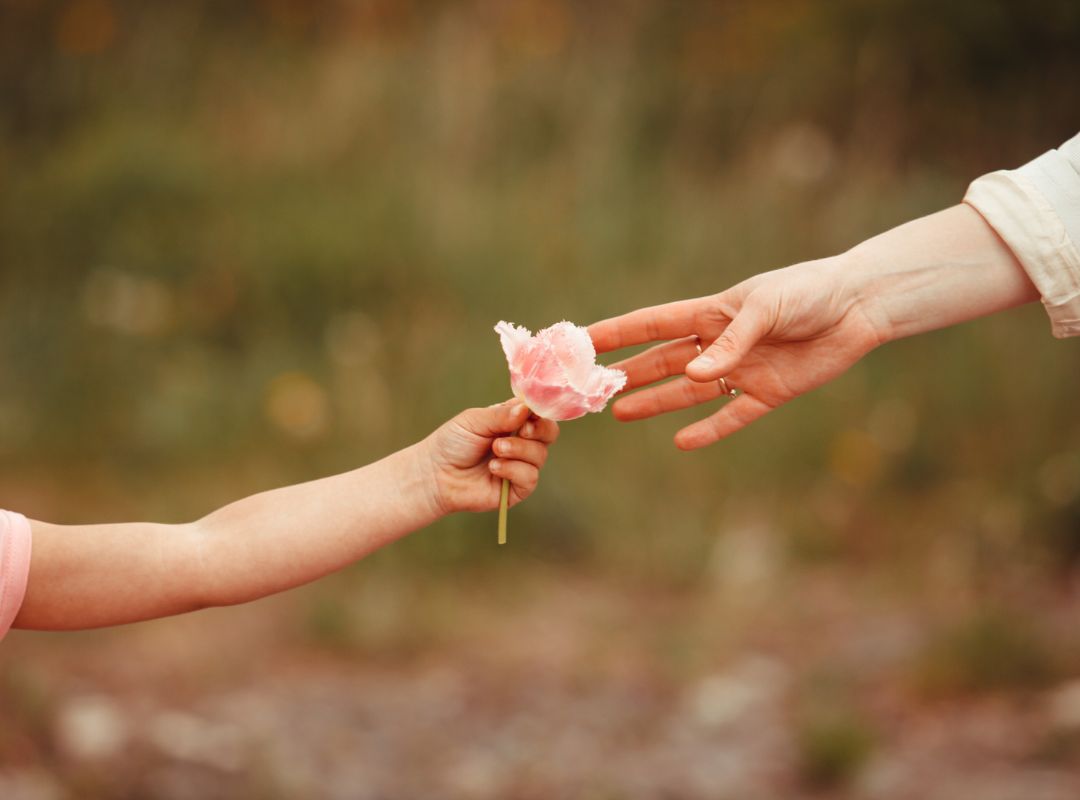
[[494, 464], [527, 429], [502, 446]]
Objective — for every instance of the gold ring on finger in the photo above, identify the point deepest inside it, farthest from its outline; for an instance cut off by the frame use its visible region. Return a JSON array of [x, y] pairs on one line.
[[725, 389]]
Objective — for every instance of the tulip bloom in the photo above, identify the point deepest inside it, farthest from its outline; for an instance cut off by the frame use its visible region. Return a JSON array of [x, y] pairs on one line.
[[556, 374]]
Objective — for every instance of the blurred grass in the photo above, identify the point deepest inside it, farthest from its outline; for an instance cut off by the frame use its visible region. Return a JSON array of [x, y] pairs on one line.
[[834, 748], [245, 246], [992, 651]]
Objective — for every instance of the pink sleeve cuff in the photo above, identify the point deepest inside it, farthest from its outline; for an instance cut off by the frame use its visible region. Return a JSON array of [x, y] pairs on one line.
[[14, 566]]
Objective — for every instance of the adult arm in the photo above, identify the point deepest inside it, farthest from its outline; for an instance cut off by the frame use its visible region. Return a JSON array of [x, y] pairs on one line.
[[782, 333]]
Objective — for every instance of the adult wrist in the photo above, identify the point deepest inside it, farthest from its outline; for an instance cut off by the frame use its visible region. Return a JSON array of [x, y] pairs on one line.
[[863, 287], [933, 272]]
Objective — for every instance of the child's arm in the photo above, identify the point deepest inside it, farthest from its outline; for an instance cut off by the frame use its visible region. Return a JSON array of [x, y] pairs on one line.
[[85, 576]]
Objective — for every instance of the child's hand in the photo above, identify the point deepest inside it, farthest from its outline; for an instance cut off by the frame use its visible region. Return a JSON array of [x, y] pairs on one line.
[[465, 475]]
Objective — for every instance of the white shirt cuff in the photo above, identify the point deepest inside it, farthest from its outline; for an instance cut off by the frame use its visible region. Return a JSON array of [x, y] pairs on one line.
[[1036, 210]]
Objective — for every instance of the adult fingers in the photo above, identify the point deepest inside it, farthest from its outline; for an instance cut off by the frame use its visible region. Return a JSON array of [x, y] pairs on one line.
[[667, 321], [542, 430], [734, 416], [670, 396], [524, 477], [754, 320], [656, 363], [527, 450]]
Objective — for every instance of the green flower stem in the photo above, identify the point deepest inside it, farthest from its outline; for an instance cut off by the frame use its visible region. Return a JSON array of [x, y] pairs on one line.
[[504, 504]]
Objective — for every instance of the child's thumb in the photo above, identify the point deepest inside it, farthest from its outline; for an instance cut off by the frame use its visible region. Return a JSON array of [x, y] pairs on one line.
[[496, 420]]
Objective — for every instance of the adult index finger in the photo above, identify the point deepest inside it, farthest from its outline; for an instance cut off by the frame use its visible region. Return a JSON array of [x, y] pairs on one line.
[[666, 321]]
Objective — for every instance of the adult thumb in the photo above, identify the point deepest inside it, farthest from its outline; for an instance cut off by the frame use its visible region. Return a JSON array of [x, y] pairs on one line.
[[724, 355]]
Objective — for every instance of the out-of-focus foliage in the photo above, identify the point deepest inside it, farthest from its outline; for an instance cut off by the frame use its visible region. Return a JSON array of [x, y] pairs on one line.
[[250, 243]]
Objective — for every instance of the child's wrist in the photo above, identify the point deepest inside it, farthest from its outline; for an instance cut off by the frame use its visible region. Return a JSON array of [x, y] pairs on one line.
[[423, 478]]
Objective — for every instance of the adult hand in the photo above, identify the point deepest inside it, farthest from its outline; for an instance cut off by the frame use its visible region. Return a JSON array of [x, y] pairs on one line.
[[783, 333], [773, 337]]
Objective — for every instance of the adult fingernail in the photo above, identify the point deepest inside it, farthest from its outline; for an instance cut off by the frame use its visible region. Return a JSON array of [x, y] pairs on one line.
[[527, 429], [703, 362]]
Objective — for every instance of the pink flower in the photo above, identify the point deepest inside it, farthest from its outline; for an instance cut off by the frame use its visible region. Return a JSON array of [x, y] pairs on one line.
[[555, 372]]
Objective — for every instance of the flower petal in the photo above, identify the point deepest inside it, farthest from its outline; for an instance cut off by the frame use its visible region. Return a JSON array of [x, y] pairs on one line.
[[513, 338], [555, 371]]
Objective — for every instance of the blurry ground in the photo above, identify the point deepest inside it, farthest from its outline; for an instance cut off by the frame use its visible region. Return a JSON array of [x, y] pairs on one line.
[[550, 685]]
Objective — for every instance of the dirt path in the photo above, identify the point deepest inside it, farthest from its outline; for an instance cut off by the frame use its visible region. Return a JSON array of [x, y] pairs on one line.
[[564, 687]]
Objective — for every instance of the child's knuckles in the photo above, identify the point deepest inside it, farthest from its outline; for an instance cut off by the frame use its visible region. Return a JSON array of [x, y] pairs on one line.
[[533, 453], [550, 432]]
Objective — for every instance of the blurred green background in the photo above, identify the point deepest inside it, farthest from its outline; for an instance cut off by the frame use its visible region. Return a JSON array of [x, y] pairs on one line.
[[248, 244]]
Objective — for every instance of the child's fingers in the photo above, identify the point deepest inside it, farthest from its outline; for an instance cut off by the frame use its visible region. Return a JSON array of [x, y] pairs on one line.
[[498, 419], [523, 476], [542, 430], [534, 453]]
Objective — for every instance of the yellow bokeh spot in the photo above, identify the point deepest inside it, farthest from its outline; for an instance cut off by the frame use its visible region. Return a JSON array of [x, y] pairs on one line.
[[855, 458], [297, 406]]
